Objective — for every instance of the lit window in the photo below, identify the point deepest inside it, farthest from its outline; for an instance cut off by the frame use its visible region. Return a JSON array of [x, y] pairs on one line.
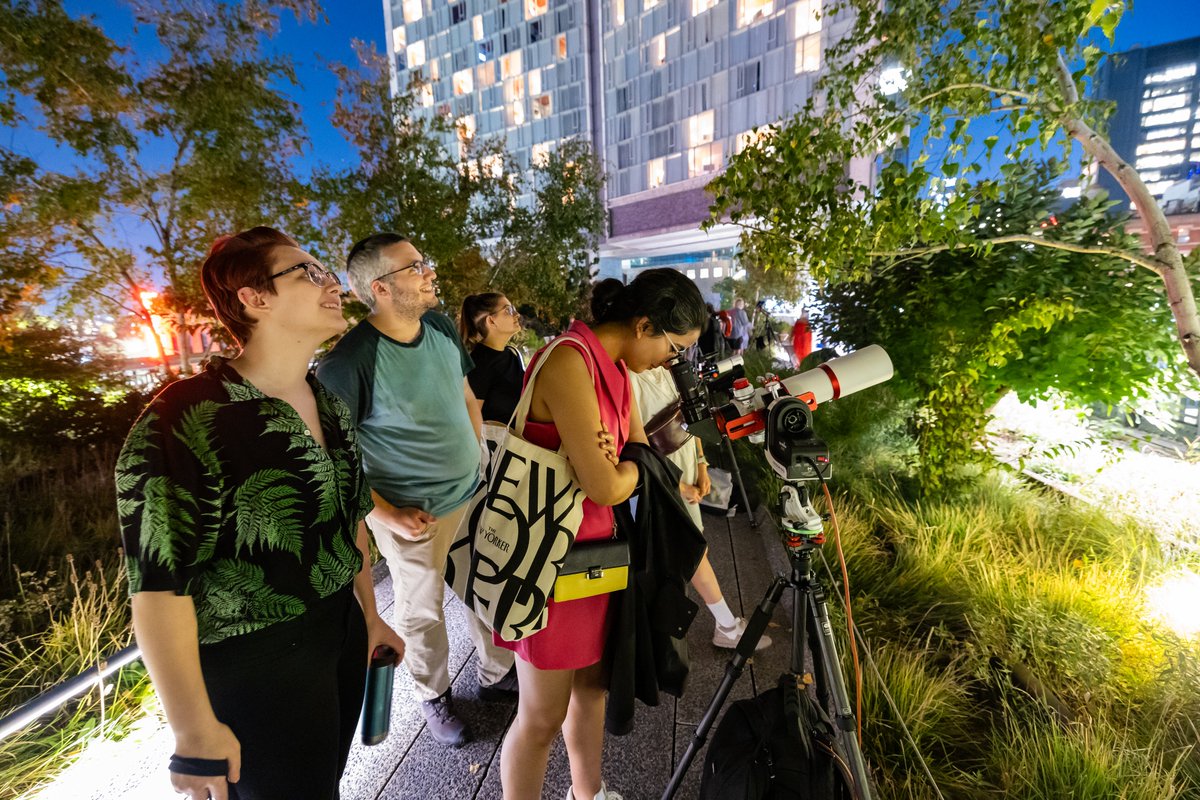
[[516, 112], [416, 54], [1163, 133], [477, 27], [691, 273], [656, 173], [1165, 103], [463, 82], [1168, 146], [427, 94], [1152, 175], [649, 4], [1152, 162], [1172, 74], [535, 8], [704, 159], [808, 54], [1156, 189], [542, 106], [1196, 144], [658, 50], [466, 128], [808, 18], [619, 12], [514, 89], [541, 154], [535, 81], [700, 128], [751, 11], [560, 45], [1166, 118], [485, 74], [703, 273], [399, 39], [700, 6], [413, 9], [434, 72], [493, 165], [751, 137], [510, 65]]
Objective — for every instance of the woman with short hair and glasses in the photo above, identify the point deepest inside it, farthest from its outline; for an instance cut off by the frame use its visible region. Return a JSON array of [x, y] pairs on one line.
[[487, 324], [241, 500]]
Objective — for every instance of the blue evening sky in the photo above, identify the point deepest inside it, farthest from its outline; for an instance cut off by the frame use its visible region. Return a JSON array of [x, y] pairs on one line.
[[314, 46]]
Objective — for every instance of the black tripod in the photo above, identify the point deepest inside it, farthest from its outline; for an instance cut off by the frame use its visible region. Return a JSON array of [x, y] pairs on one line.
[[810, 628]]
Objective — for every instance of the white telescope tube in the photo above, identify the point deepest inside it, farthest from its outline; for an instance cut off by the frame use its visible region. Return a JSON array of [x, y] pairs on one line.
[[839, 377]]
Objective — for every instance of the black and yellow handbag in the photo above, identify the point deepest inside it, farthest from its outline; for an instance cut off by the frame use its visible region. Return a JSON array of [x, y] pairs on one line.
[[593, 568]]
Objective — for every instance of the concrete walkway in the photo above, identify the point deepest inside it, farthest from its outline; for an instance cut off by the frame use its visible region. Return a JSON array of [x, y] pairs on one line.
[[411, 765]]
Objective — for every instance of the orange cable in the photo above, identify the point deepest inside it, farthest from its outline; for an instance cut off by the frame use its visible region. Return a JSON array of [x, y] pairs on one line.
[[837, 537]]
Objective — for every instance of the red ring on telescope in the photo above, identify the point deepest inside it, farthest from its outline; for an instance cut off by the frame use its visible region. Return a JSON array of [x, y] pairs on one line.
[[833, 381]]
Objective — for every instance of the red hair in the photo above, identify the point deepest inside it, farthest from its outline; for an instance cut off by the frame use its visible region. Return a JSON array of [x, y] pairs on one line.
[[243, 259]]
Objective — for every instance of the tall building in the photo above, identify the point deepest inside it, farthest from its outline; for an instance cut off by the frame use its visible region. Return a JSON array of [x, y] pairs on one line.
[[1156, 124], [665, 90]]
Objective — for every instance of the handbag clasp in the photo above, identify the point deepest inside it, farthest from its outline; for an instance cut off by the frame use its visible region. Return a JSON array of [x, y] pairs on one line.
[[595, 573]]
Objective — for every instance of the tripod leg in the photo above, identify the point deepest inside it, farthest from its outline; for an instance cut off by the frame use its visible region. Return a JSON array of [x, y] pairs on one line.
[[733, 670], [737, 477], [835, 686]]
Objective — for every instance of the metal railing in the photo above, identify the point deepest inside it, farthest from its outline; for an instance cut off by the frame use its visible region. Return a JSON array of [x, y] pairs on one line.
[[53, 699]]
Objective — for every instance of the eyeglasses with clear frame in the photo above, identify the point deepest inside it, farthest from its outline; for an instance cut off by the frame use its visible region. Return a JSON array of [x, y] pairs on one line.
[[509, 309], [676, 350], [316, 273], [421, 267]]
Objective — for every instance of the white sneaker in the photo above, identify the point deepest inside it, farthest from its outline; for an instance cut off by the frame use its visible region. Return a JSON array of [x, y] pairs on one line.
[[728, 638], [604, 794]]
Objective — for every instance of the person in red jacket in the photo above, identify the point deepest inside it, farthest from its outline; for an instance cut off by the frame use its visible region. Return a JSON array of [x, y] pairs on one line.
[[802, 338]]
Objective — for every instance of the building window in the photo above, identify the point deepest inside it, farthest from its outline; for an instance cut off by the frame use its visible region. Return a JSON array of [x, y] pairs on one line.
[[458, 13], [718, 272], [541, 154], [1168, 146], [704, 159], [1163, 133], [484, 50], [516, 112], [808, 54], [749, 79], [618, 13], [703, 273], [656, 173], [535, 8], [510, 65], [700, 6], [485, 74], [493, 165], [808, 18], [427, 95], [416, 54], [750, 138], [510, 41], [649, 4], [701, 128], [477, 27], [434, 71], [751, 11], [413, 10], [691, 273], [560, 46], [1155, 162], [463, 82], [1166, 118], [466, 128], [536, 31], [658, 50], [1165, 103], [1172, 74], [399, 39], [514, 89], [542, 106], [535, 81]]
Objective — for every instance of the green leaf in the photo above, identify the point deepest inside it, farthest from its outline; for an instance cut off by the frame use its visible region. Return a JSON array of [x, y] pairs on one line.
[[267, 512]]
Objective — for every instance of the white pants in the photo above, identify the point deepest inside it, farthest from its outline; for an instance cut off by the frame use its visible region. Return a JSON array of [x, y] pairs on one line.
[[419, 583]]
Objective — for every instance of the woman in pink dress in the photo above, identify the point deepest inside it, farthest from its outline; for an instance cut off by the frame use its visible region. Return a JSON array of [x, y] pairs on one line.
[[584, 387]]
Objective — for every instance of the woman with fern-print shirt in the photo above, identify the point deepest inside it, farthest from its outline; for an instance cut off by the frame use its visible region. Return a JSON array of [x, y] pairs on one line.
[[241, 501]]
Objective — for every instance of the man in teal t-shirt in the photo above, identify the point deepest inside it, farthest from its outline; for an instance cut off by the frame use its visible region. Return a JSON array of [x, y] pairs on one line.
[[403, 371]]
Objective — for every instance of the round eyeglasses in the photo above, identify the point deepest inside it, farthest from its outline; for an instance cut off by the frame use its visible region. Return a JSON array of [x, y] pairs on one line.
[[316, 273]]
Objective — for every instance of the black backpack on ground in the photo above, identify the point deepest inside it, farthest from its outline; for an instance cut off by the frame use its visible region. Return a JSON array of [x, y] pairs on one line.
[[777, 746]]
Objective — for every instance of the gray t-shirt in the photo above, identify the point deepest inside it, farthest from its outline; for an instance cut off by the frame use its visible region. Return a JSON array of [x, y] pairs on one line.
[[418, 444]]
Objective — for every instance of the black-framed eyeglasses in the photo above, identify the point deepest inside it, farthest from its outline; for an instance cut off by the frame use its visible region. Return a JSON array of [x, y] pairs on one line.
[[421, 267], [316, 273]]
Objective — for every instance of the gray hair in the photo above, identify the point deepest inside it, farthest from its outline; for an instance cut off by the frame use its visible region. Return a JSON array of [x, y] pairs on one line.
[[365, 263]]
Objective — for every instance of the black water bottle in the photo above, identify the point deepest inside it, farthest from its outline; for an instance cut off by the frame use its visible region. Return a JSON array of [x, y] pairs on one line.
[[377, 702]]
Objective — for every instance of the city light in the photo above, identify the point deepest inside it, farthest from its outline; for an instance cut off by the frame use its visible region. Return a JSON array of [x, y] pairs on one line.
[[1174, 601]]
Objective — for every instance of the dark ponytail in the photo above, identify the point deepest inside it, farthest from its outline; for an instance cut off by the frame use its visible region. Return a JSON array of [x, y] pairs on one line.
[[666, 296], [472, 319]]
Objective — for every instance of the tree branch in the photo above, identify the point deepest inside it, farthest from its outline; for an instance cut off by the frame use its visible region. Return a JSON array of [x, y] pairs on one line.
[[1148, 262], [1026, 96]]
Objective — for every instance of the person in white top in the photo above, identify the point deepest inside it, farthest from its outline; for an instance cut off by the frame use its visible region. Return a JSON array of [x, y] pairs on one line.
[[654, 391]]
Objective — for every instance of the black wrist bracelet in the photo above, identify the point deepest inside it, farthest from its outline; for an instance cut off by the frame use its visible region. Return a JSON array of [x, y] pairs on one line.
[[202, 767]]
